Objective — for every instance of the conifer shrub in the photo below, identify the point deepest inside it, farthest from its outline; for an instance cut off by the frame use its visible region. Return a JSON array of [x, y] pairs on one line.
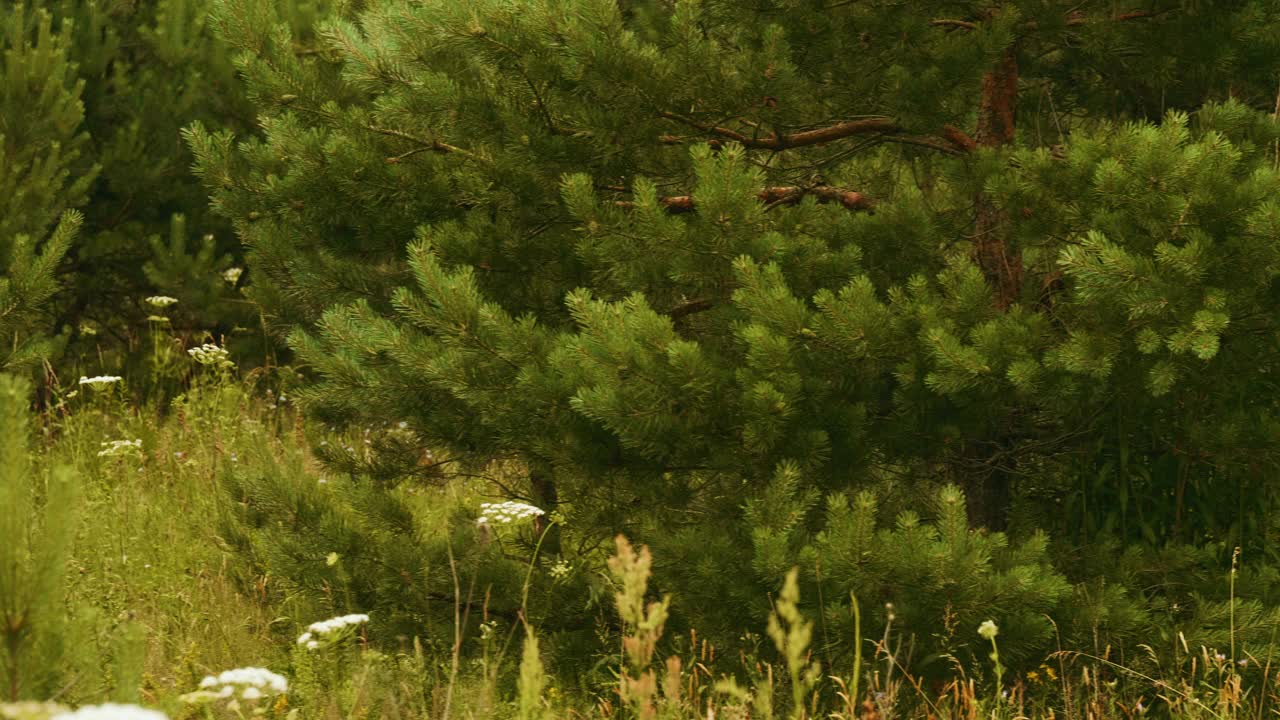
[[708, 273], [95, 94], [39, 649], [44, 175]]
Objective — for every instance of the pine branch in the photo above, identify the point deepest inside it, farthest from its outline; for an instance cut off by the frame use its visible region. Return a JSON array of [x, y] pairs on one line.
[[886, 127], [1076, 18], [423, 144], [780, 195], [949, 22]]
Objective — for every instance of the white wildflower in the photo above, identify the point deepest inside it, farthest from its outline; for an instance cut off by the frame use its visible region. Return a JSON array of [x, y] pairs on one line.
[[161, 301], [250, 683], [988, 630], [561, 569], [508, 512], [100, 380], [210, 354], [111, 711], [232, 275], [333, 627], [112, 448]]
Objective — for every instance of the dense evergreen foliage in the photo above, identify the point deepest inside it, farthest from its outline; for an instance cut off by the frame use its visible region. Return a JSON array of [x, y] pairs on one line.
[[42, 177], [94, 97], [713, 272]]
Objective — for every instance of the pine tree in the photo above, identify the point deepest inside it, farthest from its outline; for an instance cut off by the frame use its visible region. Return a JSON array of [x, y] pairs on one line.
[[674, 257], [146, 70], [109, 144], [43, 176], [36, 533]]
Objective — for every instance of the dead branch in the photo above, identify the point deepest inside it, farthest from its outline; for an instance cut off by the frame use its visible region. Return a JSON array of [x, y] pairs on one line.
[[948, 22], [801, 139], [780, 195], [691, 307]]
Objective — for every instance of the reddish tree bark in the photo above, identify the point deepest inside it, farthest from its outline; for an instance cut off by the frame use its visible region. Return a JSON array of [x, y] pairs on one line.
[[1001, 264], [990, 492]]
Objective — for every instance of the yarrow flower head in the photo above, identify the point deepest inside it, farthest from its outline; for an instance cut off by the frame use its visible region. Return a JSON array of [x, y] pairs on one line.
[[561, 569], [505, 513], [100, 380], [111, 711], [249, 683], [988, 630], [232, 275], [210, 354], [161, 301], [112, 448], [331, 628]]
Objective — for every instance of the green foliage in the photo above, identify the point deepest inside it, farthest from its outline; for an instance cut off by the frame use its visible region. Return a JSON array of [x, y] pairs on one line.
[[94, 95], [37, 530], [792, 634], [935, 580], [147, 69], [43, 175], [533, 679], [595, 242]]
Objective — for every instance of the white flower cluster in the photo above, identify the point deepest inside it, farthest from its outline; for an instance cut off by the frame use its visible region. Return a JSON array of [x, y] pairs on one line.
[[249, 683], [112, 448], [561, 569], [505, 513], [988, 630], [111, 711], [210, 354], [100, 380], [318, 631], [232, 275], [161, 301]]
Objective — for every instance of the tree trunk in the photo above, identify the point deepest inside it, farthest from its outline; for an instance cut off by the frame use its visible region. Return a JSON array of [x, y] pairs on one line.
[[989, 493], [1001, 264], [545, 496]]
